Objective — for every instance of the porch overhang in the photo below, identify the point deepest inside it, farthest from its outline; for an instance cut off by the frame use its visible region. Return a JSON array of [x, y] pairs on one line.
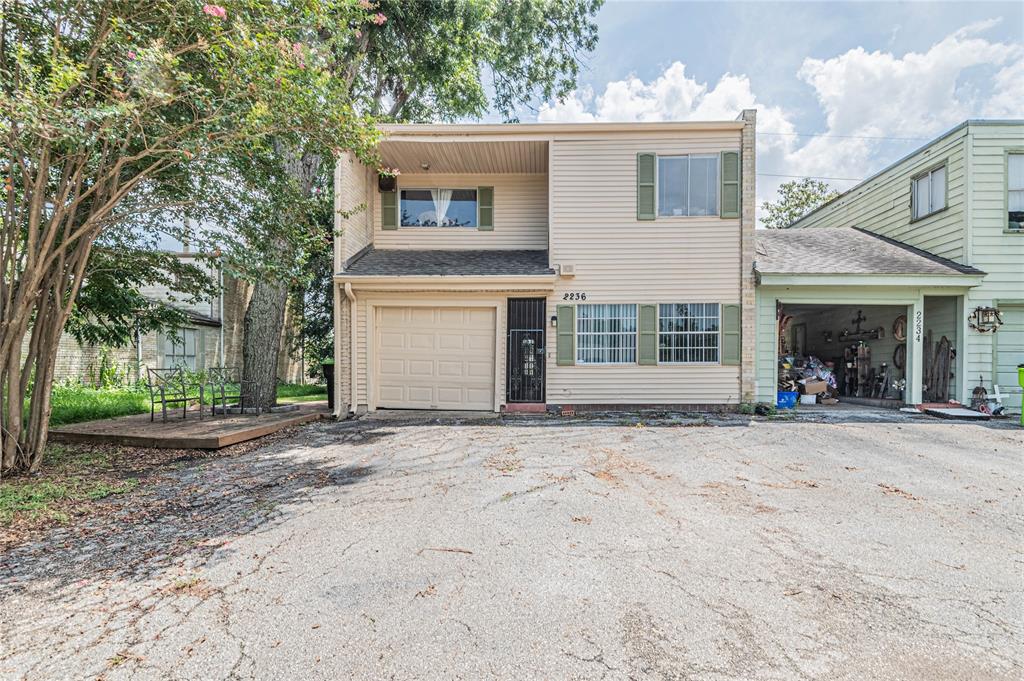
[[922, 281], [543, 283]]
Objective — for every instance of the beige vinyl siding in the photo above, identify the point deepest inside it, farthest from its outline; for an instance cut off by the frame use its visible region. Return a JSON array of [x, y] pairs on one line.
[[995, 252], [882, 204], [520, 215], [356, 191], [619, 259]]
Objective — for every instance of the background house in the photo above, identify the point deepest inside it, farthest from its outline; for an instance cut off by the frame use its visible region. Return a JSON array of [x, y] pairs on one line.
[[212, 337], [957, 202]]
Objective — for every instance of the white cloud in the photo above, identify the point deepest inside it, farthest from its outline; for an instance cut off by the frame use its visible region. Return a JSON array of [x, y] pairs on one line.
[[861, 94]]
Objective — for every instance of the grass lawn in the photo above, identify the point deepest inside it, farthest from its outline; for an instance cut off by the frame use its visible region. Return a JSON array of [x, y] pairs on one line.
[[72, 478], [74, 404]]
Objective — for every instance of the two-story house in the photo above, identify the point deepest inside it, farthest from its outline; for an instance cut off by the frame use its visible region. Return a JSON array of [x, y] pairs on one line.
[[523, 266], [929, 248]]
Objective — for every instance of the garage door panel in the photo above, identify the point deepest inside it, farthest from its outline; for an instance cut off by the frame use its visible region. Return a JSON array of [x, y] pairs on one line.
[[421, 316], [479, 343], [451, 341], [392, 367], [436, 358], [479, 369], [421, 367], [392, 340], [421, 341], [445, 368]]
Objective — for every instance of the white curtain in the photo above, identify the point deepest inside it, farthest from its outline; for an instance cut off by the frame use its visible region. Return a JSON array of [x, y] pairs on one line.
[[442, 198]]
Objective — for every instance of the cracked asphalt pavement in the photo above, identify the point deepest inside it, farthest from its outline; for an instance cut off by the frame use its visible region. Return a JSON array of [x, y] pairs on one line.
[[390, 549]]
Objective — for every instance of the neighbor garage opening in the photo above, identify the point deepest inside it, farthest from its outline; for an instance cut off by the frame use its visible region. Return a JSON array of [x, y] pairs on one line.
[[858, 353]]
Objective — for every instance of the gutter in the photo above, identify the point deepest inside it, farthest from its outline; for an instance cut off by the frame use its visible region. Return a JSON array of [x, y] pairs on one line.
[[352, 344]]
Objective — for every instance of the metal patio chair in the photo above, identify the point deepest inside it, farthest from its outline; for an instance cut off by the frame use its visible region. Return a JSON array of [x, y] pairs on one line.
[[226, 383], [170, 387]]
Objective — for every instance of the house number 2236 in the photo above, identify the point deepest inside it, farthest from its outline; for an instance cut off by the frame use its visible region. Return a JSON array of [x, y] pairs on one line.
[[574, 295]]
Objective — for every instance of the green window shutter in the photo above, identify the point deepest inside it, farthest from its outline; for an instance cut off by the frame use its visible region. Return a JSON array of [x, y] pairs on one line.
[[389, 210], [485, 209], [648, 350], [730, 184], [566, 336], [645, 186], [730, 350]]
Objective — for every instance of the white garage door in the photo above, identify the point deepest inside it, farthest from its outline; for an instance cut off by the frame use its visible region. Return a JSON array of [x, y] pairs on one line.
[[435, 358], [1010, 353]]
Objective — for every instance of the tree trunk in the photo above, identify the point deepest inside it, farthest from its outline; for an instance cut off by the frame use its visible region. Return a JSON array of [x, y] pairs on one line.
[[264, 322], [264, 316]]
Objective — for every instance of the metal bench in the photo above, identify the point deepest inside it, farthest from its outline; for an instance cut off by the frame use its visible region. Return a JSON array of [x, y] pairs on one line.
[[170, 387], [226, 383]]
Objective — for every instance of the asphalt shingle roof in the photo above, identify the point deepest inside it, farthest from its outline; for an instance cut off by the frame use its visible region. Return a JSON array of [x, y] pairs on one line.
[[397, 263], [845, 250]]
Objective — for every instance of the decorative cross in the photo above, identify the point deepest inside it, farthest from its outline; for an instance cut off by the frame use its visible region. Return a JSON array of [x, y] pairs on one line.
[[860, 318]]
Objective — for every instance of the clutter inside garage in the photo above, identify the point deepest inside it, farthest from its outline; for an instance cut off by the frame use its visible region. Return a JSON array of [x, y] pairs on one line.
[[829, 353]]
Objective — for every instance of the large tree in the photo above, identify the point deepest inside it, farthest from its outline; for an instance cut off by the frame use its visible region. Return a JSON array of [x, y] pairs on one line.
[[796, 199], [100, 101], [419, 60]]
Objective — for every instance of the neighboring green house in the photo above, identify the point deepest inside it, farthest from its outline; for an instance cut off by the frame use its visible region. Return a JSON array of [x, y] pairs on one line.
[[955, 208]]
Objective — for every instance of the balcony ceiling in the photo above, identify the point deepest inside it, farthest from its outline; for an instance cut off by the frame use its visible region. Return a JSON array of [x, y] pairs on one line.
[[443, 157]]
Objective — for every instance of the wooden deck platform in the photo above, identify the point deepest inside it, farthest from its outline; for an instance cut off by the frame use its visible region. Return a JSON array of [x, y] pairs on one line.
[[187, 433]]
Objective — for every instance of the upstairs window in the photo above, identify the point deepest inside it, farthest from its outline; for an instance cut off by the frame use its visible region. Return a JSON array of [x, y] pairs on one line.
[[1015, 191], [928, 193], [438, 208], [688, 185]]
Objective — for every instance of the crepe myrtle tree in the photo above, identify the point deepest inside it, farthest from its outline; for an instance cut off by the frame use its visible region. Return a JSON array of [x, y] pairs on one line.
[[100, 99]]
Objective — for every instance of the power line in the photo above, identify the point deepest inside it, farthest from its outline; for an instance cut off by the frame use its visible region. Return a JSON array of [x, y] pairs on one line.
[[812, 177], [849, 137]]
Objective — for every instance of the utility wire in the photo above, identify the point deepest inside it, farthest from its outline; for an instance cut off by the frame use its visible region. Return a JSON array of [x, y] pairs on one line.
[[850, 137], [812, 177]]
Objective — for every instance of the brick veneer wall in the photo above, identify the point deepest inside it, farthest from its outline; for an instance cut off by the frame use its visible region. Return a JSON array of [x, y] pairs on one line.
[[748, 320]]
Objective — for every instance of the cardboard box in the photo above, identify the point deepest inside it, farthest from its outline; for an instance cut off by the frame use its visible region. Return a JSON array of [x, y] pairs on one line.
[[813, 386]]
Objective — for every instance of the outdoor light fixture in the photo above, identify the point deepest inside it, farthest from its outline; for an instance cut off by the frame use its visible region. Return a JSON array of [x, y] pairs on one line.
[[425, 165], [554, 320], [985, 319]]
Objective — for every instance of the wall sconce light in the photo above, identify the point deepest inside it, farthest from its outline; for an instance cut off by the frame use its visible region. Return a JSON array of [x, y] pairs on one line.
[[425, 165], [985, 319], [554, 320]]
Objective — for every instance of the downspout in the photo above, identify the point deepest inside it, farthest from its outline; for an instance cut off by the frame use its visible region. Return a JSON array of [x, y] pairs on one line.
[[352, 343], [138, 354], [220, 313]]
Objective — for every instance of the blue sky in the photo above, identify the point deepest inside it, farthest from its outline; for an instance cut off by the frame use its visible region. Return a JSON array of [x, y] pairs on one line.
[[847, 71]]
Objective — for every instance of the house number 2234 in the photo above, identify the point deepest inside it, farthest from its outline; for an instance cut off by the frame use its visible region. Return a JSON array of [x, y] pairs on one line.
[[918, 325], [574, 295]]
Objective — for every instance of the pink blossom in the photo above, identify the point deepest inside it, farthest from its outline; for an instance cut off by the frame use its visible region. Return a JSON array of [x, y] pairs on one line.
[[378, 19], [297, 48], [215, 11], [359, 34], [131, 54], [366, 4]]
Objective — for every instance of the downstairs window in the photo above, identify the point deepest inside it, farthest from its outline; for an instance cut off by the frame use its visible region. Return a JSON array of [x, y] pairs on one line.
[[688, 333], [606, 334]]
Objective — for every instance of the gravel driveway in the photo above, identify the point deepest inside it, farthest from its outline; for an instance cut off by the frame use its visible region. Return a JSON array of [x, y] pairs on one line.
[[764, 550]]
